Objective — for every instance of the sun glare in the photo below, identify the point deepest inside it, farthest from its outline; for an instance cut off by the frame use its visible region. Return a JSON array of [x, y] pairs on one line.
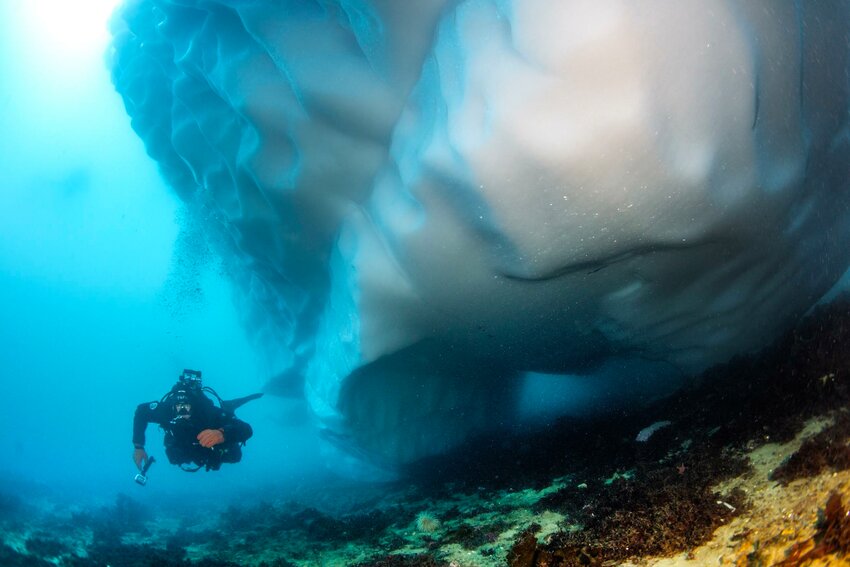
[[66, 29]]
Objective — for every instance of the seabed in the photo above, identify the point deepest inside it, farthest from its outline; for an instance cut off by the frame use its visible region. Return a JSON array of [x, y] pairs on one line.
[[753, 469]]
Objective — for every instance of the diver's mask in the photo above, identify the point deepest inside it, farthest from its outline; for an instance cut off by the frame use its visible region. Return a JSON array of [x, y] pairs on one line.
[[182, 410], [182, 405]]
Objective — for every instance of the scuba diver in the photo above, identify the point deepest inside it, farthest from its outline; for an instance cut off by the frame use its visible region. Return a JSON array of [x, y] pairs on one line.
[[197, 430]]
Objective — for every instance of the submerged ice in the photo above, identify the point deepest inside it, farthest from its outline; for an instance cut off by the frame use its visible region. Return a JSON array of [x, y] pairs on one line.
[[425, 202]]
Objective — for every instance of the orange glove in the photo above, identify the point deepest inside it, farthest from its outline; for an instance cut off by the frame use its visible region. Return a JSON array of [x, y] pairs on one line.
[[211, 437], [139, 457]]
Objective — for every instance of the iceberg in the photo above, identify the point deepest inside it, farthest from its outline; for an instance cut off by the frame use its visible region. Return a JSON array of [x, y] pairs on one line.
[[424, 203]]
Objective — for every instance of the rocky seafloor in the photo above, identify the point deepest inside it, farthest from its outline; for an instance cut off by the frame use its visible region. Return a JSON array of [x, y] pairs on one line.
[[749, 465]]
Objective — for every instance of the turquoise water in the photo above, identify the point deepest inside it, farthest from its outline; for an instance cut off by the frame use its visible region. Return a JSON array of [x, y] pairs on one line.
[[410, 226]]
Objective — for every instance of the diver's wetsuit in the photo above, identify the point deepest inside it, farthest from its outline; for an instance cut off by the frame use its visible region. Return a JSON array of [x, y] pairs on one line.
[[181, 435]]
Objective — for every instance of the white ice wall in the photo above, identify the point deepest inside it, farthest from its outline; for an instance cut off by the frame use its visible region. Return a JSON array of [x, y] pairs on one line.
[[425, 200]]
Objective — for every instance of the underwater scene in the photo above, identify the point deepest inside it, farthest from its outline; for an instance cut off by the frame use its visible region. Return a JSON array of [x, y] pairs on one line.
[[444, 283]]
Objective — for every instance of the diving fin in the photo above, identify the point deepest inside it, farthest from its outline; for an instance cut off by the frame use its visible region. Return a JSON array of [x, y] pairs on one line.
[[231, 406]]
